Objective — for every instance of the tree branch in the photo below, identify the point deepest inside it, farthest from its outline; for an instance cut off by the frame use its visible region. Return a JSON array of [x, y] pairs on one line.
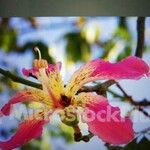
[[18, 79], [100, 89], [129, 98], [140, 36], [133, 102], [79, 137], [144, 131]]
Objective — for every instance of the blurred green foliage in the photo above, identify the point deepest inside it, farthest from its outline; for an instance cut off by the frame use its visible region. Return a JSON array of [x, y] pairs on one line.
[[43, 48], [64, 131], [9, 43], [77, 47], [122, 34], [8, 35]]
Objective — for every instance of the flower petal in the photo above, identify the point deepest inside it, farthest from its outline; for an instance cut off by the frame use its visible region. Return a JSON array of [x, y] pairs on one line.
[[30, 72], [28, 95], [50, 79], [105, 121], [129, 68], [55, 80], [34, 71], [27, 130]]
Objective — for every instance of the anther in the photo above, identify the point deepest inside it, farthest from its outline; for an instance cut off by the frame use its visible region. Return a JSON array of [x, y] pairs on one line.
[[36, 49], [39, 63]]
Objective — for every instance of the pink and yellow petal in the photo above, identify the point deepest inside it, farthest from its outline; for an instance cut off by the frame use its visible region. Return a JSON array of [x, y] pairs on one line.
[[30, 72], [83, 99], [105, 120], [129, 68], [29, 95], [55, 81], [28, 130], [50, 78], [35, 70], [54, 67], [56, 84], [52, 81]]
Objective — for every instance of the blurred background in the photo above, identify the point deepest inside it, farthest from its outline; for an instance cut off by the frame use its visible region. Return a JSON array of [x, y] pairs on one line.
[[73, 41]]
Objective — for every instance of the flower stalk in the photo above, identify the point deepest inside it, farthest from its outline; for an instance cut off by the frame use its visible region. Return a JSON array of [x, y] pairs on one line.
[[79, 137]]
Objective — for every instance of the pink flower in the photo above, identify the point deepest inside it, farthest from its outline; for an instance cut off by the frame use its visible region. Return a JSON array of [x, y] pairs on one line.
[[55, 96]]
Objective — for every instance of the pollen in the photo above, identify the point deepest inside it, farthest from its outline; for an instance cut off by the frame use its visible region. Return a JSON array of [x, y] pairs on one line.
[[40, 63]]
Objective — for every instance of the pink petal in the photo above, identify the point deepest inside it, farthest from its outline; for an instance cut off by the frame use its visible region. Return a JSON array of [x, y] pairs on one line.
[[29, 72], [1, 114], [28, 95], [54, 67], [129, 68], [148, 73], [113, 130], [34, 71], [27, 130]]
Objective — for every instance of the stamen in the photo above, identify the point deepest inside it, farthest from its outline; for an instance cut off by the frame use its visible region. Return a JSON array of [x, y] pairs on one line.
[[39, 63], [39, 52]]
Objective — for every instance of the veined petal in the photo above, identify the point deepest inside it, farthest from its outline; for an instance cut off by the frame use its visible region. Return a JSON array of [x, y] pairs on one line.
[[105, 121], [50, 78], [129, 68], [27, 130], [28, 95], [84, 99], [55, 81]]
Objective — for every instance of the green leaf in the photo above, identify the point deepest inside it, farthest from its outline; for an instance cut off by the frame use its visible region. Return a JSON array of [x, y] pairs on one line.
[[8, 39], [126, 52], [67, 133], [122, 32], [77, 48], [107, 46]]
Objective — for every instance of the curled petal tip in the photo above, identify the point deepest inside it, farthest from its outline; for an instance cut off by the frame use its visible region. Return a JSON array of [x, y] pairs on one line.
[[1, 114], [28, 95], [6, 109], [27, 130], [25, 72], [29, 72]]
